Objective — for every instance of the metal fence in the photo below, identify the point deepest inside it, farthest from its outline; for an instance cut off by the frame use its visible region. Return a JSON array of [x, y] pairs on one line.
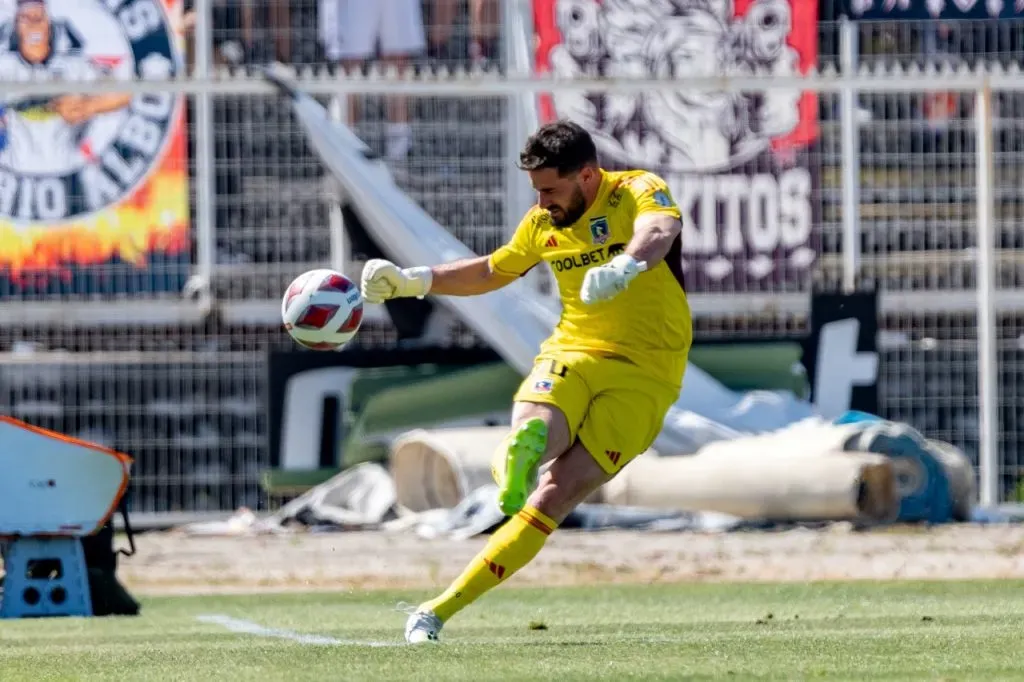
[[908, 169]]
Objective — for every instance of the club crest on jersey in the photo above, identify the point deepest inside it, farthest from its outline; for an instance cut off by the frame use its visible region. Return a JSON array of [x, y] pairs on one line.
[[599, 230], [64, 157], [543, 386]]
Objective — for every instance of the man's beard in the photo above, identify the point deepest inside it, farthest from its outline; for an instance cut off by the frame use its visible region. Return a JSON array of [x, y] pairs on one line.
[[573, 212]]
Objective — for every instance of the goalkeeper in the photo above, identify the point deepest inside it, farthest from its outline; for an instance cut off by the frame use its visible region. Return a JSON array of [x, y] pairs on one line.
[[600, 388]]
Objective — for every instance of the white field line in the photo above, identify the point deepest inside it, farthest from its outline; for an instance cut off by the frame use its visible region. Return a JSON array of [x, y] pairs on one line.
[[246, 627]]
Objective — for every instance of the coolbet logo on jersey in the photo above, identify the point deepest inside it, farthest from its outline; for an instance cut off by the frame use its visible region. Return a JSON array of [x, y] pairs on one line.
[[587, 258], [65, 157]]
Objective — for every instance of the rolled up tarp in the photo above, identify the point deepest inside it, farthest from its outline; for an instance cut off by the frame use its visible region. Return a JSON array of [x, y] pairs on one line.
[[811, 437], [436, 469], [752, 484], [963, 489], [921, 481]]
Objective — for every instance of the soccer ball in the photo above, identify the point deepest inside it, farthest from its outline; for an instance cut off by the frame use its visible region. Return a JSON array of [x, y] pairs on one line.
[[322, 309]]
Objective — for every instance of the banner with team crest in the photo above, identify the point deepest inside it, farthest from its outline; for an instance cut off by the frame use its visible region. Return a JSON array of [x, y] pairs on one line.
[[737, 163], [93, 188]]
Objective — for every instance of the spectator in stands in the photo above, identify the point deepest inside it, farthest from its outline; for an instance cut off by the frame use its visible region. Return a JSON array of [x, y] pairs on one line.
[[483, 29], [232, 31], [235, 26], [350, 31], [280, 23]]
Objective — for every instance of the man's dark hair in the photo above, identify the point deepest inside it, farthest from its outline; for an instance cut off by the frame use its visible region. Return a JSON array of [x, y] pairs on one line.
[[562, 145]]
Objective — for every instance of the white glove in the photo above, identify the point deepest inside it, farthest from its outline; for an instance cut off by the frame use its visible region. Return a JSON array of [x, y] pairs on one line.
[[606, 281], [383, 280]]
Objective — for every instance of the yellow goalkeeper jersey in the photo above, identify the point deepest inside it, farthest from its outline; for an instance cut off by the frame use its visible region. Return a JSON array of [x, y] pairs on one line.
[[648, 323]]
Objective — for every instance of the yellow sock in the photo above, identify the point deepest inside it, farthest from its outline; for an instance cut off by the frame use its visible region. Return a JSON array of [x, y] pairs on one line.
[[510, 548]]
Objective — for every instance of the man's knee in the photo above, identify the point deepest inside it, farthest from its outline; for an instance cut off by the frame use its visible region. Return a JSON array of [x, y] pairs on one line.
[[556, 443], [558, 440], [571, 478]]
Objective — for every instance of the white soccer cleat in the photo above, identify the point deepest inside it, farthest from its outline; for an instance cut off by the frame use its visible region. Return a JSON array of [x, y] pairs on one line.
[[422, 627]]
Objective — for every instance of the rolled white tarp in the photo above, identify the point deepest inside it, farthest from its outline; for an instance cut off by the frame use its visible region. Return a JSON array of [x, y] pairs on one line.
[[794, 476], [788, 486], [963, 489], [437, 469]]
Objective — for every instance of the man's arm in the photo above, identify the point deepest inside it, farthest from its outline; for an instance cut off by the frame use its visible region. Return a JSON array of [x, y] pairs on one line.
[[467, 277], [383, 280], [653, 234], [655, 227], [77, 109], [102, 104]]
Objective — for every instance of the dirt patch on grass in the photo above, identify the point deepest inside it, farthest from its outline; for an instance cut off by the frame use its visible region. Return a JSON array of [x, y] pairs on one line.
[[179, 564]]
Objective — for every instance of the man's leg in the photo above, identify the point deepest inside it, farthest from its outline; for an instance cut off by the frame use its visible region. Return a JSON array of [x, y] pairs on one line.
[[540, 432], [442, 20], [402, 37], [281, 23], [483, 29], [571, 478], [348, 31], [616, 422], [398, 132], [517, 541], [550, 406]]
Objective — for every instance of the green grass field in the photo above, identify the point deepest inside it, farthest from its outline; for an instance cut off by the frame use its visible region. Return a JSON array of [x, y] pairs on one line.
[[851, 631]]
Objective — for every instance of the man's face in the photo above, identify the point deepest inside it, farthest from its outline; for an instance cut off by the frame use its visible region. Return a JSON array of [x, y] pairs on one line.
[[561, 196], [34, 32]]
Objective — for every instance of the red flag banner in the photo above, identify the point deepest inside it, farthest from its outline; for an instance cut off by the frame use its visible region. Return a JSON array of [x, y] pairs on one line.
[[738, 163]]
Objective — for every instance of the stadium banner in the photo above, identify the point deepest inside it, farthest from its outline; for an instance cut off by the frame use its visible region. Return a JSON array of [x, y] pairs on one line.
[[93, 188], [918, 10], [841, 353], [738, 164]]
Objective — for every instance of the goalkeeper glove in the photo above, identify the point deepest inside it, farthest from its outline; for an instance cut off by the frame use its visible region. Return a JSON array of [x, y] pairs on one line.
[[383, 280], [606, 281]]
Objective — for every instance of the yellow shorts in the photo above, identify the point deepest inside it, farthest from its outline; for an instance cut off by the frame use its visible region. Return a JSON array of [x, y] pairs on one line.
[[615, 408]]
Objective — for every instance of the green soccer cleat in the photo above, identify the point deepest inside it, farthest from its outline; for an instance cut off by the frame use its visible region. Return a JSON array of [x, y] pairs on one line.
[[525, 450]]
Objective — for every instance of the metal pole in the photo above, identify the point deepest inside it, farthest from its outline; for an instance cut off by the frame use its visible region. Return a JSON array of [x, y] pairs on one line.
[[462, 85], [206, 241], [988, 395], [513, 114], [522, 120], [338, 111], [851, 157], [517, 27]]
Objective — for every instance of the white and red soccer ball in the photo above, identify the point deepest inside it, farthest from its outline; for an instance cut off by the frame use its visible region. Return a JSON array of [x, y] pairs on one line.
[[322, 309]]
